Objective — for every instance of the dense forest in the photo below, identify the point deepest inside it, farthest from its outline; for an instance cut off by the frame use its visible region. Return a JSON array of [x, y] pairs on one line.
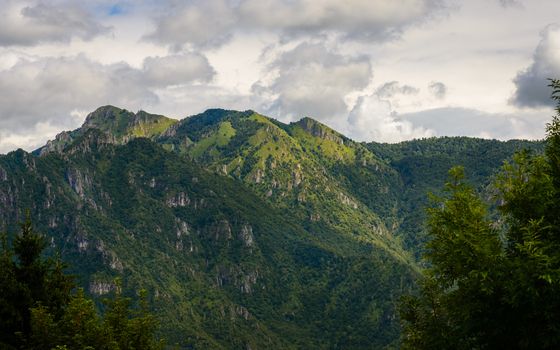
[[231, 230], [493, 283], [41, 307]]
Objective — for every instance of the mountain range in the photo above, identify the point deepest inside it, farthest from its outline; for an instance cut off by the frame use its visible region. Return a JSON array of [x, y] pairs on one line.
[[247, 233]]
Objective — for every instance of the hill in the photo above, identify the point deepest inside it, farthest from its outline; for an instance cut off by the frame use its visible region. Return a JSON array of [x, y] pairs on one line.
[[246, 232]]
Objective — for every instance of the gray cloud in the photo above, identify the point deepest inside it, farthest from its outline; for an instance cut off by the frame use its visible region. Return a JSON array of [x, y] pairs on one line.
[[511, 3], [438, 89], [44, 22], [51, 91], [200, 23], [475, 123], [313, 81], [531, 84], [208, 23], [393, 88], [177, 69], [372, 119]]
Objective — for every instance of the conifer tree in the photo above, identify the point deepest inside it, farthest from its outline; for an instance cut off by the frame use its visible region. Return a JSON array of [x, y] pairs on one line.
[[493, 284], [39, 311]]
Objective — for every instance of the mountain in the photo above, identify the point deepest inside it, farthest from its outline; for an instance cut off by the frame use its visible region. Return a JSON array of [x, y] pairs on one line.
[[246, 232]]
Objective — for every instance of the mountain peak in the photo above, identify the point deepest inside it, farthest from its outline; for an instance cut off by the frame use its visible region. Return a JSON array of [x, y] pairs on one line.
[[117, 124], [320, 130], [121, 123], [102, 115]]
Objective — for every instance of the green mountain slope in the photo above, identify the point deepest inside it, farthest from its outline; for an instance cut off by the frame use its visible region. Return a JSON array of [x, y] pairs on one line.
[[305, 168], [246, 232], [423, 164], [225, 268]]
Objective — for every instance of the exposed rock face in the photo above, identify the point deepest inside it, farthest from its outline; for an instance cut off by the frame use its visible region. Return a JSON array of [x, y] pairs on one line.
[[318, 130], [344, 199], [78, 181], [258, 176], [101, 287], [82, 242], [222, 231], [232, 275], [248, 281], [180, 199], [297, 175], [57, 145], [239, 311], [246, 235], [3, 174], [182, 228]]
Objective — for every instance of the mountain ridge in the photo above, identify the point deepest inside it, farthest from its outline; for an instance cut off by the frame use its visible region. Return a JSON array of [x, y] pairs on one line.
[[246, 232]]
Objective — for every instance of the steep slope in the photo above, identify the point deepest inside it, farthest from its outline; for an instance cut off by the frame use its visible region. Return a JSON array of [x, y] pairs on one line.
[[305, 168], [247, 232], [119, 125], [225, 268], [423, 165]]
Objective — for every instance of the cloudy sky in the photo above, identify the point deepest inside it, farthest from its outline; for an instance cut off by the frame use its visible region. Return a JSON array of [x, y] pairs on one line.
[[381, 70]]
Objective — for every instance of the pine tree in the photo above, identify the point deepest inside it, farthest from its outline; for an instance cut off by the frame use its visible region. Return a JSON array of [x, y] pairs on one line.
[[39, 311], [493, 284]]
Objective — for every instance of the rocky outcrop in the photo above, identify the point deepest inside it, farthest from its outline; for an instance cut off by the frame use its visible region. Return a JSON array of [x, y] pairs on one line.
[[319, 130], [57, 145], [101, 287], [3, 174], [344, 199], [221, 231], [78, 181], [246, 235], [180, 199]]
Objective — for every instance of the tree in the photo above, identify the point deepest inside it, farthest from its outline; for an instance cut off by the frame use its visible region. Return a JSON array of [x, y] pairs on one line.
[[38, 309], [27, 280], [493, 284]]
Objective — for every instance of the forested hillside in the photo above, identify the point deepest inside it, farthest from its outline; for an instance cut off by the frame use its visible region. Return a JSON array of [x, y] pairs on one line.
[[244, 231], [493, 279]]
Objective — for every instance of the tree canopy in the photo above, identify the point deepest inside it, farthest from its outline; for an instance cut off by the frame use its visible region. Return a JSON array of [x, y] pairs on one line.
[[41, 308], [493, 283]]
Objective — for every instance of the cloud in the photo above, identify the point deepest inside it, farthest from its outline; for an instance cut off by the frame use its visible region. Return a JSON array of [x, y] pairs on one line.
[[359, 19], [438, 89], [47, 92], [511, 3], [199, 23], [372, 119], [177, 69], [393, 88], [452, 121], [313, 81], [212, 22], [531, 84], [43, 22]]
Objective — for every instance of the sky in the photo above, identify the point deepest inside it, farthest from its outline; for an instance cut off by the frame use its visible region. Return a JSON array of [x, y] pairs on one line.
[[375, 70]]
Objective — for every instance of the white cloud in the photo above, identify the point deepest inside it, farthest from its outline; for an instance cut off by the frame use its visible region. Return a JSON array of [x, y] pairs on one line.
[[359, 19], [200, 23], [285, 58], [392, 88], [438, 89], [312, 80], [177, 69], [48, 91], [372, 119], [32, 23], [531, 84], [453, 121], [212, 22]]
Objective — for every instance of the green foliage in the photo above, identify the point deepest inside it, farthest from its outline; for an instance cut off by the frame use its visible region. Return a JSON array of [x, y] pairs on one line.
[[493, 283], [28, 280], [38, 310], [245, 231]]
